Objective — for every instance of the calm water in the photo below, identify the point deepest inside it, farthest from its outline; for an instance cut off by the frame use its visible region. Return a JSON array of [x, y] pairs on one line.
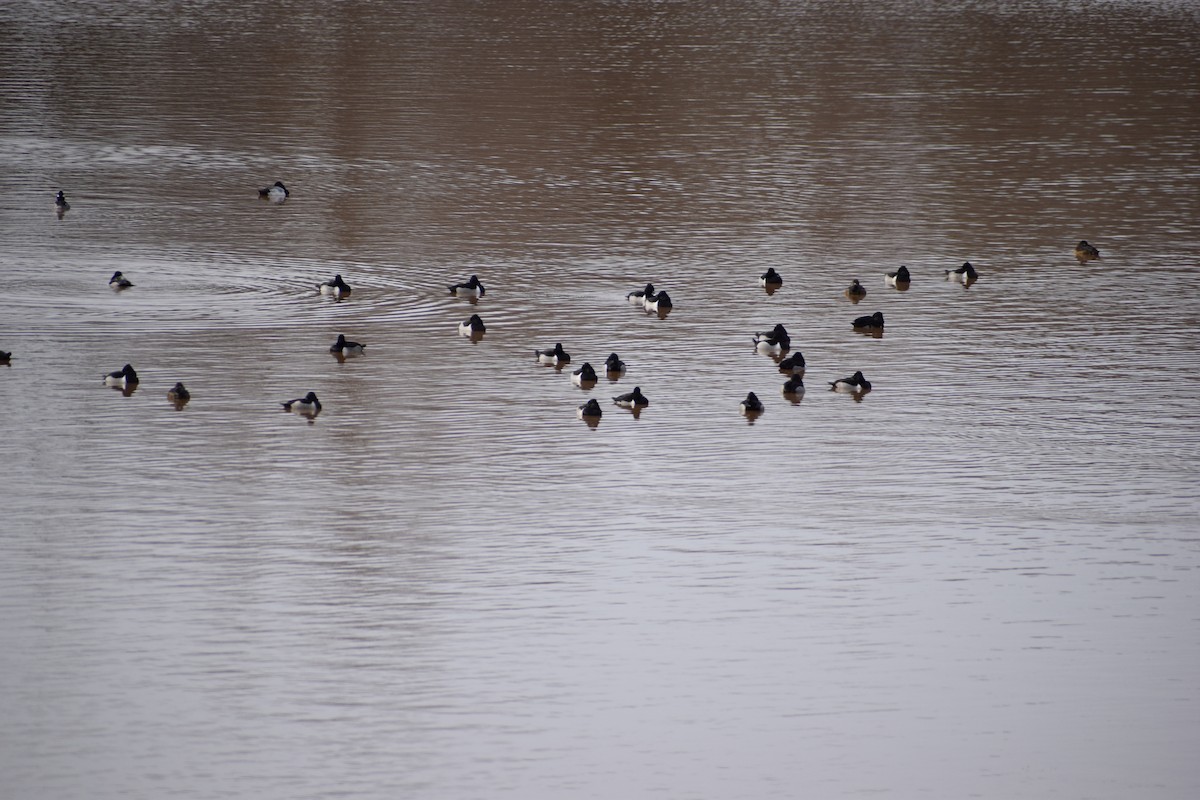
[[978, 580]]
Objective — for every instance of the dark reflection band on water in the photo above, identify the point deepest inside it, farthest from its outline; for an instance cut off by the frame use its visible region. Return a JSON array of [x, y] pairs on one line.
[[973, 579]]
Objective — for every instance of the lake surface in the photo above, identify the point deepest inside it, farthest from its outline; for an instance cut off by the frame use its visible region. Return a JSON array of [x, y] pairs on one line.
[[980, 579]]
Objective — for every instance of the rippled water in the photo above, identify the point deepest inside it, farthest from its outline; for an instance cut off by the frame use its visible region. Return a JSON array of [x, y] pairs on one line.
[[977, 580]]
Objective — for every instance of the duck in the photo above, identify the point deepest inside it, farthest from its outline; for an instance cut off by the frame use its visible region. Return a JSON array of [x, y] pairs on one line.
[[658, 302], [309, 404], [794, 385], [276, 192], [584, 375], [60, 203], [553, 355], [856, 291], [793, 363], [471, 287], [751, 405], [590, 409], [1083, 251], [5, 356], [775, 340], [900, 276], [872, 322], [854, 384], [638, 297], [126, 376], [179, 394], [118, 281], [966, 273], [613, 365], [634, 399], [770, 278], [335, 287], [473, 326], [344, 347]]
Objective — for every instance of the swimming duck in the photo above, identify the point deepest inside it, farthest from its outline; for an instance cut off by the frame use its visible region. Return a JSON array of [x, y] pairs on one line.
[[966, 273], [638, 297], [584, 375], [751, 405], [854, 384], [613, 365], [775, 340], [121, 378], [856, 291], [276, 192], [343, 347], [309, 404], [1083, 251], [179, 394], [793, 363], [658, 302], [335, 287], [634, 399], [872, 322], [898, 277], [471, 287], [794, 385], [5, 357], [553, 355], [770, 278], [472, 327], [61, 204], [118, 281], [590, 409]]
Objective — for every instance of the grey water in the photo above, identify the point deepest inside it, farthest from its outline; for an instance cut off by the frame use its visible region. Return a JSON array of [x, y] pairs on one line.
[[979, 579]]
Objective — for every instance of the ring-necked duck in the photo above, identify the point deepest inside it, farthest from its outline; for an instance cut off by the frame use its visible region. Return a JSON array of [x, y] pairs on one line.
[[1086, 252], [5, 357], [634, 399], [553, 355], [584, 375], [751, 405], [794, 385], [966, 273], [638, 297], [335, 286], [309, 404], [472, 327], [854, 384], [343, 347], [589, 409], [613, 365], [770, 278], [658, 302], [471, 287], [793, 363], [775, 340], [899, 277], [276, 192], [118, 281], [122, 377]]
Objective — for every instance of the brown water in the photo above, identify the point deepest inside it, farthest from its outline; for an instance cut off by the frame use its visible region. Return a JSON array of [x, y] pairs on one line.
[[978, 580]]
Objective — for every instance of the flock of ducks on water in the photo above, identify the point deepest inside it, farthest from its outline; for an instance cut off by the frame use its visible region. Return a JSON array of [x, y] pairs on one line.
[[775, 342]]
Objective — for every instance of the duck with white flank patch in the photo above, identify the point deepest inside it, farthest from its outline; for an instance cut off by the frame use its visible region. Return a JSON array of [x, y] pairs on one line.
[[469, 288], [553, 355], [335, 287], [473, 327], [614, 366], [122, 378], [751, 405], [309, 404], [638, 296], [589, 410], [584, 376], [773, 341], [634, 399], [898, 278], [770, 278], [964, 274], [659, 302], [276, 192], [793, 363], [118, 281], [60, 203], [855, 384], [344, 347], [794, 385]]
